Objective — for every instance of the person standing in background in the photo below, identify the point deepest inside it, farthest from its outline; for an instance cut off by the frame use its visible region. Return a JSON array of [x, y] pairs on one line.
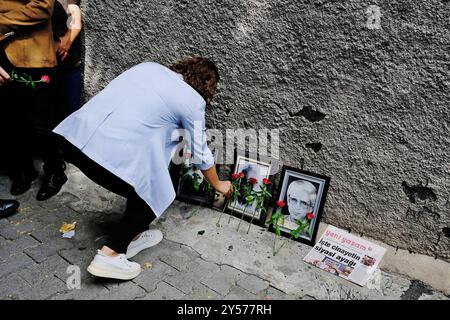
[[27, 61], [67, 25]]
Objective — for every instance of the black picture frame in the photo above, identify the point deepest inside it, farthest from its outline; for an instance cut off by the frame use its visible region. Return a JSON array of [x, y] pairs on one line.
[[183, 194], [319, 181], [186, 193]]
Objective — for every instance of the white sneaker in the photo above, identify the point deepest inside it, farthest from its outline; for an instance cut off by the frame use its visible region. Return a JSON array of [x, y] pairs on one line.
[[146, 240], [117, 267]]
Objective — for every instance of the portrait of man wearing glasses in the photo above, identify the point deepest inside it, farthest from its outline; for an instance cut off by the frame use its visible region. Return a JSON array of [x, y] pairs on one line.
[[301, 198]]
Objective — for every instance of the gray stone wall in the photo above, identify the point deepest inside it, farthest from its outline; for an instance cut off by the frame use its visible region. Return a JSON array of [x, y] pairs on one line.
[[362, 100]]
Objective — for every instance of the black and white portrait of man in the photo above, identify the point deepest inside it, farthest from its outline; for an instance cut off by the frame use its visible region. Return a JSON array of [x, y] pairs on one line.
[[304, 194], [301, 199]]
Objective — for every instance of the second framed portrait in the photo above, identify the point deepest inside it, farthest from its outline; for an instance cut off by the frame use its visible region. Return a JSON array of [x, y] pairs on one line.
[[252, 175]]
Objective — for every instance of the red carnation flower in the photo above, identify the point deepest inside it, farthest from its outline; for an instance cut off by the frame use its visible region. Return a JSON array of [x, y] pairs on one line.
[[281, 204], [310, 216], [266, 181], [235, 176], [241, 175], [252, 180], [45, 78]]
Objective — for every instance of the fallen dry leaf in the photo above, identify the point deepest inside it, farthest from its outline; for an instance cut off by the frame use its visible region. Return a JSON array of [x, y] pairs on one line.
[[66, 227]]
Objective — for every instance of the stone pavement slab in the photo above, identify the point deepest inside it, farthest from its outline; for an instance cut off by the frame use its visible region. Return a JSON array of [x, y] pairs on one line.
[[164, 291]]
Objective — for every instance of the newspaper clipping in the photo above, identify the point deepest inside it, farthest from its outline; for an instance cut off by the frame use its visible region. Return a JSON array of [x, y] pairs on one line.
[[345, 255]]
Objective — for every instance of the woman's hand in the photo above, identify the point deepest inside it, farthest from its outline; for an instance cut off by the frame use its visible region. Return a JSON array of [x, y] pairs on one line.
[[225, 188]]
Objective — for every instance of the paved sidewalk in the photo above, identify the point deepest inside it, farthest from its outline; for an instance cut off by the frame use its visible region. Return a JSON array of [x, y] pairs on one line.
[[196, 260]]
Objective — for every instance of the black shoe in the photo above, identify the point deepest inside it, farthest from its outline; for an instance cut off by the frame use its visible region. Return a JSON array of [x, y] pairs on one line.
[[8, 207], [21, 182], [51, 186]]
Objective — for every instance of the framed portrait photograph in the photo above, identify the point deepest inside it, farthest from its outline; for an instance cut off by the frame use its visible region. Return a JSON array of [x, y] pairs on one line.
[[253, 173], [304, 194]]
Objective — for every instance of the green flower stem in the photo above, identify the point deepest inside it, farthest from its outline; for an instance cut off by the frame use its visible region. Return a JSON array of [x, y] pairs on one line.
[[26, 79], [249, 196], [251, 221], [232, 209], [282, 245], [242, 217], [275, 240], [275, 219], [259, 203], [223, 210], [233, 196], [258, 206], [294, 234], [274, 245], [235, 199]]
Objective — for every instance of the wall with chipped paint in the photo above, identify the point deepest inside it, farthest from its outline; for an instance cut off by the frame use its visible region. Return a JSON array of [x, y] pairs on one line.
[[358, 89]]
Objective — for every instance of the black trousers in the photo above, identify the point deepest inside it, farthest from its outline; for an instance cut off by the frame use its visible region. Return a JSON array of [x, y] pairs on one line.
[[138, 215], [28, 117]]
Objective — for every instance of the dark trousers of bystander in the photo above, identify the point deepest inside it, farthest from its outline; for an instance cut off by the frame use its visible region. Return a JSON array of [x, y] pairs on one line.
[[68, 91], [138, 215], [28, 118]]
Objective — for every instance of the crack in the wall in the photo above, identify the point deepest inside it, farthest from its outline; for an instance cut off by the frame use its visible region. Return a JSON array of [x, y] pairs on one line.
[[309, 114], [446, 231], [418, 192], [315, 146]]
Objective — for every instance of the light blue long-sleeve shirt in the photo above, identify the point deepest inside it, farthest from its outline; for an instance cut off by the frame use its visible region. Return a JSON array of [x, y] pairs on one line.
[[128, 129]]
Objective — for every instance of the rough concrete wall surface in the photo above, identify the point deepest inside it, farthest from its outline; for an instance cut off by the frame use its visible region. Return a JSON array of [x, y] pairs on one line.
[[358, 89]]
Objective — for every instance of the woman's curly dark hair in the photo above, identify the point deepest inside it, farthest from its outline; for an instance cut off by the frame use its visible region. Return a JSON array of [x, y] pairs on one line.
[[200, 73]]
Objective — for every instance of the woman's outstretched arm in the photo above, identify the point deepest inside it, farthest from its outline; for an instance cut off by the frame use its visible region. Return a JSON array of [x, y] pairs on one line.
[[224, 187]]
